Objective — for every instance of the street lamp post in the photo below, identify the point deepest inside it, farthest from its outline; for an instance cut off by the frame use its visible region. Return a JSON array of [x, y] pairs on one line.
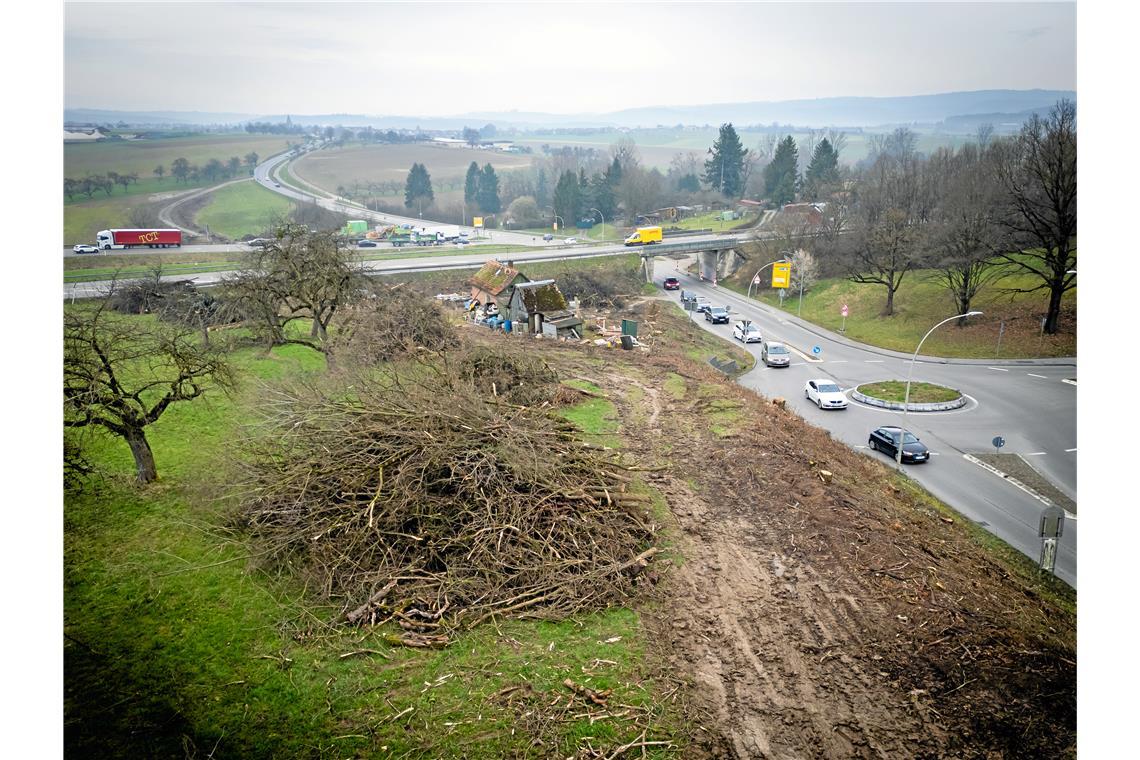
[[603, 224], [761, 269], [910, 374], [556, 216]]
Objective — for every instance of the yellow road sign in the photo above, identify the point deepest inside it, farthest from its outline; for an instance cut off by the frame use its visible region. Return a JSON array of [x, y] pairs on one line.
[[781, 275], [477, 222]]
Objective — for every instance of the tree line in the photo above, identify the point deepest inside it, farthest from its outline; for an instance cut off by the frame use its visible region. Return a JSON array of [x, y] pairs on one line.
[[181, 169], [974, 214]]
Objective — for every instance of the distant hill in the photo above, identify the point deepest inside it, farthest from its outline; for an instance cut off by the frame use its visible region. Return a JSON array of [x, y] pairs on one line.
[[953, 110]]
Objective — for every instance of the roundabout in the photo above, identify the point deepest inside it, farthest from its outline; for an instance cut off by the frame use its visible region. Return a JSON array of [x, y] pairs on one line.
[[924, 397]]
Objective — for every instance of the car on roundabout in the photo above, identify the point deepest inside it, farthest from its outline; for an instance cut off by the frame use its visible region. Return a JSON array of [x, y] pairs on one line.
[[825, 394], [886, 440], [85, 248], [746, 332], [775, 354]]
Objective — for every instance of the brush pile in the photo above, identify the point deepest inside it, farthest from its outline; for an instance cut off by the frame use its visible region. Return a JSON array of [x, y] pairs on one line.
[[434, 503]]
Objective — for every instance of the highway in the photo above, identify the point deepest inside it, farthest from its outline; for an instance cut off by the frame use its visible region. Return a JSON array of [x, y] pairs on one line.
[[1031, 403]]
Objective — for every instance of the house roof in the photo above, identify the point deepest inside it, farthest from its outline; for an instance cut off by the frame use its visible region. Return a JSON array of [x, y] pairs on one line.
[[544, 299], [495, 277]]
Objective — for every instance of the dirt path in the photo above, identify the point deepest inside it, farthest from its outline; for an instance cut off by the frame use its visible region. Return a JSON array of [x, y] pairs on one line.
[[832, 615]]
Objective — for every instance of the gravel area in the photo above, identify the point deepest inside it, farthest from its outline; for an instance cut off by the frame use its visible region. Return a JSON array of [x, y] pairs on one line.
[[1016, 467]]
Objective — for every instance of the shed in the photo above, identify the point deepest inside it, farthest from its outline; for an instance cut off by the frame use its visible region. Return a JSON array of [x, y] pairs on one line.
[[533, 303], [494, 283]]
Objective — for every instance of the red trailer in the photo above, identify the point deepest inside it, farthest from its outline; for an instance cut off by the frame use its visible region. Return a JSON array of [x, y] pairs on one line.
[[149, 238]]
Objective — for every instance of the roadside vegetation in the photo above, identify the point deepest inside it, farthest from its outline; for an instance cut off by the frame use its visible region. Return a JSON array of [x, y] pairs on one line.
[[200, 618]]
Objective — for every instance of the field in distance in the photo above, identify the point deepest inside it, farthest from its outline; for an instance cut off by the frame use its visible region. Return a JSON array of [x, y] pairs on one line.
[[141, 156], [345, 167]]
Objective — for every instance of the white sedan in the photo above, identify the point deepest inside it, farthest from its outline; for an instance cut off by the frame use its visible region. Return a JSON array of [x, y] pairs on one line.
[[84, 248], [746, 332], [825, 393]]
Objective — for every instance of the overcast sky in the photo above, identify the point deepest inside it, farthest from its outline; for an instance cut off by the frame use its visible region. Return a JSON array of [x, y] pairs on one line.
[[437, 59]]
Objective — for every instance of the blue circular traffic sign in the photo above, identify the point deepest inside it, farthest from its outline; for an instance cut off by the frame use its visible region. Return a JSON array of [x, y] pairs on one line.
[[998, 441], [815, 350]]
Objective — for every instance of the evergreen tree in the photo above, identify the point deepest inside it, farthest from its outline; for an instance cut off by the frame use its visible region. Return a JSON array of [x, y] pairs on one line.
[[541, 190], [567, 197], [780, 174], [602, 196], [487, 194], [471, 186], [689, 183], [418, 190], [613, 174], [823, 169], [724, 171]]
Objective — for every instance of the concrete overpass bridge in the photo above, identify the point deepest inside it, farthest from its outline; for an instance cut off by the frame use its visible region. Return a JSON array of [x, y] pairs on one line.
[[711, 251]]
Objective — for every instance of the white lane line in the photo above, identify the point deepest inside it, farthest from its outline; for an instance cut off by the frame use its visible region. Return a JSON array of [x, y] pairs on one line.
[[1070, 382], [998, 369], [838, 361], [1008, 479], [873, 361], [1033, 375], [1034, 454], [1069, 451]]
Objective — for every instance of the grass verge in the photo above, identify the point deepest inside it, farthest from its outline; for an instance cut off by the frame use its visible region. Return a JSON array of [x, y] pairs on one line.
[[920, 393]]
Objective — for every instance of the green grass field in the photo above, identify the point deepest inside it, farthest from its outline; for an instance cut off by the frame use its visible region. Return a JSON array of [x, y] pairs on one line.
[[920, 393], [141, 156], [245, 208], [179, 643], [920, 303]]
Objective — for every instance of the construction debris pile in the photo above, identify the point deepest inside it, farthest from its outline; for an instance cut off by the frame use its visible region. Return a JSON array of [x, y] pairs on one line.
[[427, 501]]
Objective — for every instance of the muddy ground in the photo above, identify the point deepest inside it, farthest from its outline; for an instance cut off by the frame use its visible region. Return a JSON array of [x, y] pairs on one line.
[[820, 605]]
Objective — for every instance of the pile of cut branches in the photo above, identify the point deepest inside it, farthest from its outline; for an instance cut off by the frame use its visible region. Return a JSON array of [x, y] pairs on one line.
[[433, 504], [391, 323]]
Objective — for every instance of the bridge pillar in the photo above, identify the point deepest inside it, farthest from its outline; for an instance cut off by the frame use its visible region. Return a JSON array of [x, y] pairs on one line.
[[708, 263]]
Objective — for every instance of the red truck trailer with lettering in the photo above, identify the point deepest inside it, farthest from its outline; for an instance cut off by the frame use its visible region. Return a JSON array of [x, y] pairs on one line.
[[148, 238]]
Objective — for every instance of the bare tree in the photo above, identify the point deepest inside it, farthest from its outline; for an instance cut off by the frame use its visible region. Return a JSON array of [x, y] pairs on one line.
[[964, 230], [626, 152], [885, 240], [837, 138], [121, 374], [302, 274], [1038, 170]]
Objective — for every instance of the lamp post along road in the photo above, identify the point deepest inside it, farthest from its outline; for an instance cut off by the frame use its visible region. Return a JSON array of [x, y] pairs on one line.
[[910, 374], [603, 224], [761, 269]]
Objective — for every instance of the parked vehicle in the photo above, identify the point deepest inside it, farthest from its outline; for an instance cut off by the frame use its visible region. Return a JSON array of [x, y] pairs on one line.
[[825, 394], [886, 440], [718, 315], [775, 354], [746, 332], [644, 236], [703, 304], [672, 283], [137, 238], [85, 248]]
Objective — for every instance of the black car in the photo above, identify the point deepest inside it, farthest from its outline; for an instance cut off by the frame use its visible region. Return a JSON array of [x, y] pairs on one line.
[[717, 315], [366, 244], [886, 440], [672, 283]]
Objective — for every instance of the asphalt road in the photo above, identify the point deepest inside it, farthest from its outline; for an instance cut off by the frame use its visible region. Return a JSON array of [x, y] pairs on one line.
[[1031, 403]]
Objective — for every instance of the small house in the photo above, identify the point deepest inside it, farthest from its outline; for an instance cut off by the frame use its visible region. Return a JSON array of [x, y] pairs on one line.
[[494, 282], [541, 306]]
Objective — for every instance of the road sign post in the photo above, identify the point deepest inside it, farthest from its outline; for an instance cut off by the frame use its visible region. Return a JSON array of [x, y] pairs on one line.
[[998, 442], [843, 312], [1052, 526]]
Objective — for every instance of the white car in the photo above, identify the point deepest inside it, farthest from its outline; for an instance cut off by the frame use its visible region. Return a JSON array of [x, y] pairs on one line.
[[571, 241], [825, 393], [746, 332], [85, 248]]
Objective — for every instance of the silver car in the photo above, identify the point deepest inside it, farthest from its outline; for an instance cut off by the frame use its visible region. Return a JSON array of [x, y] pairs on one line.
[[775, 354]]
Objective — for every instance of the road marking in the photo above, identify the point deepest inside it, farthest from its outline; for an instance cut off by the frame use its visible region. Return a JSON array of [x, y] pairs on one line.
[[1034, 454], [1008, 479], [998, 369], [838, 361], [1070, 382], [1033, 375], [1069, 451], [873, 361]]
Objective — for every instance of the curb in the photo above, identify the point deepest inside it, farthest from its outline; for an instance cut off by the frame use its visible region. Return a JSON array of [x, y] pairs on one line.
[[941, 406], [1014, 481]]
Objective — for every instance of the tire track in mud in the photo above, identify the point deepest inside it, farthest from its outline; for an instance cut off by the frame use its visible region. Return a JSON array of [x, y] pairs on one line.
[[775, 646]]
